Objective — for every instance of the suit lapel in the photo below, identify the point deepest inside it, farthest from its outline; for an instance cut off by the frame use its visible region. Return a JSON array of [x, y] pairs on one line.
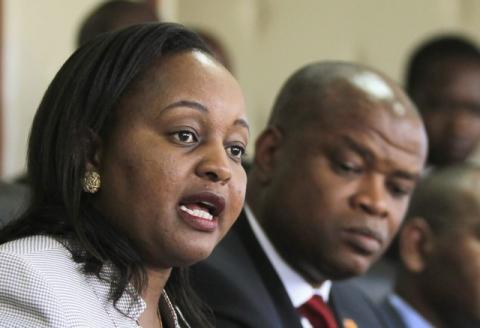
[[285, 308], [391, 315], [332, 302]]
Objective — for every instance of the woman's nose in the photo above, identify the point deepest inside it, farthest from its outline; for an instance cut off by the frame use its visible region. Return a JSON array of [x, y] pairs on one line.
[[215, 164]]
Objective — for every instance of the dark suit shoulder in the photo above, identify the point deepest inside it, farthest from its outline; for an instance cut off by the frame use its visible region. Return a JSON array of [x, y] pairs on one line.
[[389, 315], [351, 303], [230, 283]]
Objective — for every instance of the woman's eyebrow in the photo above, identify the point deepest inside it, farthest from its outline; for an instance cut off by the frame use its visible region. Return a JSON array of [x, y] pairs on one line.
[[195, 105], [186, 103]]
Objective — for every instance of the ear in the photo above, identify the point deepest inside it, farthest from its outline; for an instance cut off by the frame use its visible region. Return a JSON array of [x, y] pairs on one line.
[[415, 244], [93, 146], [266, 153]]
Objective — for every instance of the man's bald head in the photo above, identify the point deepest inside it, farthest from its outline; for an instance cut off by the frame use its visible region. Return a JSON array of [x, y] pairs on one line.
[[446, 197], [324, 88]]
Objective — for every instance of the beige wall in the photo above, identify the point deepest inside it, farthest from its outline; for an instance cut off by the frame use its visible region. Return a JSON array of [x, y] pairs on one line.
[[39, 36], [267, 39]]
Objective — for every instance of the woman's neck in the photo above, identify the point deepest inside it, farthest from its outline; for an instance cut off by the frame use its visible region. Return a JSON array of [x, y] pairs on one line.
[[157, 279]]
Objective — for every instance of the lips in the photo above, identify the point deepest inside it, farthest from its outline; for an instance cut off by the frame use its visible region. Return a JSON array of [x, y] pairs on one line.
[[201, 210], [364, 240]]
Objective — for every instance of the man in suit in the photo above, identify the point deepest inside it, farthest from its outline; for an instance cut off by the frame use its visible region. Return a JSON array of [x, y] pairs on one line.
[[438, 283], [332, 176], [443, 80]]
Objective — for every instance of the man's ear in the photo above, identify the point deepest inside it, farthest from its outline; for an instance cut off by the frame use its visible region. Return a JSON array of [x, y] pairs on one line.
[[266, 153], [94, 148], [416, 242]]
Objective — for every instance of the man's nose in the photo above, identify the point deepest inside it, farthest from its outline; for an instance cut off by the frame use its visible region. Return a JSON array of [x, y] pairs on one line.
[[371, 198]]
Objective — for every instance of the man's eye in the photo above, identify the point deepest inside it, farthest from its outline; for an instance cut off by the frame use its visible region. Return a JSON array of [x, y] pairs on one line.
[[236, 152], [185, 137], [347, 167]]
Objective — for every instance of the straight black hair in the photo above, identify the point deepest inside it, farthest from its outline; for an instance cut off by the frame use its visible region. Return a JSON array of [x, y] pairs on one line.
[[80, 103]]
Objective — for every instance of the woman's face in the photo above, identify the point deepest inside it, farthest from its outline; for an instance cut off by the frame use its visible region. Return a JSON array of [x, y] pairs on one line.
[[171, 172]]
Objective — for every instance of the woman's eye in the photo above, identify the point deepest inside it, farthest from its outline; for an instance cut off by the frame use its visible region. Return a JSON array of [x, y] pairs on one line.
[[186, 137], [236, 152]]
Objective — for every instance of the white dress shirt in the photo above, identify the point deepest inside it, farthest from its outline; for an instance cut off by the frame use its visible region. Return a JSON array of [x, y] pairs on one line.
[[298, 289]]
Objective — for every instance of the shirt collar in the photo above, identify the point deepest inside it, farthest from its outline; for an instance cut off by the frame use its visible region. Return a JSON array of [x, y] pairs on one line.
[[409, 315], [298, 289]]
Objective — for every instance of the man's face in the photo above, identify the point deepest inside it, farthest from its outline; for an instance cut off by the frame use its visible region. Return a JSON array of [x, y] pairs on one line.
[[341, 186], [450, 105], [452, 275]]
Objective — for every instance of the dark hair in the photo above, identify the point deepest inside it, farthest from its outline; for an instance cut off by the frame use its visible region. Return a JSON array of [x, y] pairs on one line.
[[442, 199], [112, 15], [434, 50], [80, 103], [446, 196]]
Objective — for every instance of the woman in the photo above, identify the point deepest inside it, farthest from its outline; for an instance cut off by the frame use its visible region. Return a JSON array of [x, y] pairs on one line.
[[135, 164]]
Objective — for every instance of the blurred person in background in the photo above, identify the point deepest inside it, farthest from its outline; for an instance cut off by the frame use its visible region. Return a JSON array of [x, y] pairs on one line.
[[13, 200], [117, 14], [443, 80], [106, 17], [438, 283], [113, 15]]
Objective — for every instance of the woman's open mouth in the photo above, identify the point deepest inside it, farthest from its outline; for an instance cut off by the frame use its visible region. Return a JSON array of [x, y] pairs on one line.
[[201, 210]]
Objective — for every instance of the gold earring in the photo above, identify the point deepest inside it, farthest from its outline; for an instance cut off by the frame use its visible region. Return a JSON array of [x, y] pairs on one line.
[[91, 182]]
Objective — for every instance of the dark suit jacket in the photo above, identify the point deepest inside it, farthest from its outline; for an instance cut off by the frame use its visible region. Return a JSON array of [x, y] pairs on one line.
[[239, 283], [390, 315]]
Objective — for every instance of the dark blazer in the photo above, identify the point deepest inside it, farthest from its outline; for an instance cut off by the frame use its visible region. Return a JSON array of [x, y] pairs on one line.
[[390, 315], [239, 283]]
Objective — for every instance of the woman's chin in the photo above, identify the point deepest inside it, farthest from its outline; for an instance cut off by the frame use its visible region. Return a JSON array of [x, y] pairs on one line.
[[192, 256]]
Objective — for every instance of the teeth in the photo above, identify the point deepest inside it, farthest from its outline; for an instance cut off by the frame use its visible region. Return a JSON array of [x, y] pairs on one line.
[[198, 213]]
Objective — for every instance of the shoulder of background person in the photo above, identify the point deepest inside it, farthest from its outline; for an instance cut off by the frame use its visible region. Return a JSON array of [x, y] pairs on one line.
[[14, 198], [351, 304], [390, 316], [377, 283]]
